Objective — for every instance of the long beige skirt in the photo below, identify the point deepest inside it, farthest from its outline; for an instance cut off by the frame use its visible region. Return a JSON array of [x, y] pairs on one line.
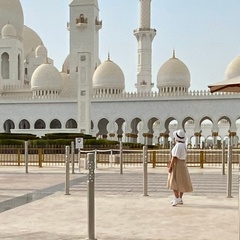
[[179, 179]]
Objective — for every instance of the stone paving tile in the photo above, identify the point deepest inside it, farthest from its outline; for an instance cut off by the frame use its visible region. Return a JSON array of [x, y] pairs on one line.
[[121, 211], [203, 184]]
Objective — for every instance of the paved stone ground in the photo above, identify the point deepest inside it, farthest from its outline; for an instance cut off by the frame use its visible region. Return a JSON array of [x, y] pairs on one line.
[[34, 206]]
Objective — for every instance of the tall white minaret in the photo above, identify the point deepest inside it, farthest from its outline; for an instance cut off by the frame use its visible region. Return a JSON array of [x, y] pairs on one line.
[[84, 55], [144, 37]]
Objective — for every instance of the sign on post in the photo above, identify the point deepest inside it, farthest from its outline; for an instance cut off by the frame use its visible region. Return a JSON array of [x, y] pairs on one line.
[[79, 143]]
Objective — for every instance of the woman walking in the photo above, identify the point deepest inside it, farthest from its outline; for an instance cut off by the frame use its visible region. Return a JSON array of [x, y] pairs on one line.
[[178, 178]]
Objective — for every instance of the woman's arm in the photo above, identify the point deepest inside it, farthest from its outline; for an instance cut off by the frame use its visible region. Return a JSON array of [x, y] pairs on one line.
[[172, 163]]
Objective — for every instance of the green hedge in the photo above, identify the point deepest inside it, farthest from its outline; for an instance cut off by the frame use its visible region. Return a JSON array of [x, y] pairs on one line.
[[71, 136], [12, 142], [65, 139], [18, 136]]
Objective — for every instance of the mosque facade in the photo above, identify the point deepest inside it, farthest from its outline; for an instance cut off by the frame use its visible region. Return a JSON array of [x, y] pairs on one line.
[[88, 96]]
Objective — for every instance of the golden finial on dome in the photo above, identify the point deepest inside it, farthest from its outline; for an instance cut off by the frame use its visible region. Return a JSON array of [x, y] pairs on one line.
[[174, 55], [109, 59]]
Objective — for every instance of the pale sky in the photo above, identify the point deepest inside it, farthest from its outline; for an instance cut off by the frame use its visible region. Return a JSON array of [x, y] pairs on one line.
[[204, 33]]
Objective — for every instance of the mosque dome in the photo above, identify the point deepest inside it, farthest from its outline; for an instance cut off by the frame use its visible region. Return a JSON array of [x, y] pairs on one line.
[[11, 13], [109, 76], [66, 65], [31, 40], [9, 31], [46, 77], [41, 51], [65, 78], [173, 74], [233, 68]]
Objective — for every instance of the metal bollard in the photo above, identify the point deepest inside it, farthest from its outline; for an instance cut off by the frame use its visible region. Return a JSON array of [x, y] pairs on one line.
[[223, 157], [67, 182], [121, 158], [229, 177], [238, 199], [26, 156], [91, 197], [154, 159], [145, 179], [201, 159], [72, 156], [40, 157], [95, 158], [79, 160]]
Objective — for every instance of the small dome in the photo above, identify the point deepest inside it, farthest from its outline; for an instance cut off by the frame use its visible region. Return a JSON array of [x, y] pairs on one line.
[[31, 40], [173, 73], [233, 68], [9, 31], [65, 78], [41, 51], [46, 77], [11, 12], [108, 75], [66, 64]]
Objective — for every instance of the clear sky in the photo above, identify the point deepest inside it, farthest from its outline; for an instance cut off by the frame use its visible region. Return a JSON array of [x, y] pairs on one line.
[[204, 33]]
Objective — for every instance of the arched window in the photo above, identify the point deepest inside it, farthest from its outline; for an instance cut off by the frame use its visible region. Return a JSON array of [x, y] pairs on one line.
[[55, 124], [5, 65], [24, 124], [8, 125], [39, 124], [71, 123]]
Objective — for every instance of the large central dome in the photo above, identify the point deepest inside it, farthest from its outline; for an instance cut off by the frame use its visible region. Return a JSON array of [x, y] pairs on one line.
[[173, 74], [31, 40], [11, 13]]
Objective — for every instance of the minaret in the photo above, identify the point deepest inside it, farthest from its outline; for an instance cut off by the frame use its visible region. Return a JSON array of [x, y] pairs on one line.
[[144, 37], [84, 55]]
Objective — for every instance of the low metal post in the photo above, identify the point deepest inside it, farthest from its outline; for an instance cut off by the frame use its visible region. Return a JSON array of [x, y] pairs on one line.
[[72, 156], [121, 158], [95, 158], [91, 196], [223, 157], [238, 197], [111, 158], [145, 179], [229, 177], [26, 156], [154, 159], [67, 182], [40, 154], [79, 160], [201, 158], [19, 156]]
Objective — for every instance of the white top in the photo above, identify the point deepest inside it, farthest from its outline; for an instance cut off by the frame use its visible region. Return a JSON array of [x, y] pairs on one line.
[[180, 151]]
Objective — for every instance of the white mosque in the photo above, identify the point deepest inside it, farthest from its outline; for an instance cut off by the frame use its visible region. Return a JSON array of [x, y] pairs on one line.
[[88, 96]]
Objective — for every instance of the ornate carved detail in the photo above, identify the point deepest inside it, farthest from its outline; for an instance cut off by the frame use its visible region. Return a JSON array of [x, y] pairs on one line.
[[214, 134], [197, 134], [165, 135], [232, 134], [148, 135], [81, 19]]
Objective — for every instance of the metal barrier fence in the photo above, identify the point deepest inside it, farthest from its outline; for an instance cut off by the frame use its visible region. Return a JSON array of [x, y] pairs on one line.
[[55, 156]]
